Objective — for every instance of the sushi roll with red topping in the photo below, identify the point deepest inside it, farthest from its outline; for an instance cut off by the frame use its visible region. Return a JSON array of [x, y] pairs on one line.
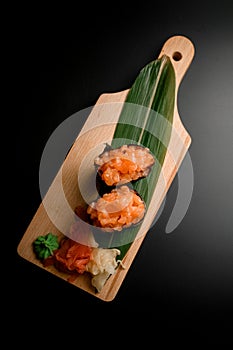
[[118, 209], [118, 166]]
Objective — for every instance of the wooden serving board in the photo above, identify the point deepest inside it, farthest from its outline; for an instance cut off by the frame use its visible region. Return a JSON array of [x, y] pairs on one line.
[[98, 129]]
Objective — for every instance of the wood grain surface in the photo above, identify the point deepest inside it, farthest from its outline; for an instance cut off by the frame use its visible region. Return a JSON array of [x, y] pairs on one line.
[[64, 193]]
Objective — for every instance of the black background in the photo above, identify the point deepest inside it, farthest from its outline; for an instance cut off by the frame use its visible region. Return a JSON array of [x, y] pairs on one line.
[[64, 60]]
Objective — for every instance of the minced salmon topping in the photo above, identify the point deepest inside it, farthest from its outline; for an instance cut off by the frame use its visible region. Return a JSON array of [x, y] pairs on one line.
[[124, 164], [120, 208], [120, 171]]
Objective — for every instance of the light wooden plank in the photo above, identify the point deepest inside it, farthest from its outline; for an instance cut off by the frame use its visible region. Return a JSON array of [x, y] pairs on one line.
[[64, 192]]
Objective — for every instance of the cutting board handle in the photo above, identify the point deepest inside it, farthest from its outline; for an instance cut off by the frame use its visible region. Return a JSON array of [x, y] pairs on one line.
[[181, 51]]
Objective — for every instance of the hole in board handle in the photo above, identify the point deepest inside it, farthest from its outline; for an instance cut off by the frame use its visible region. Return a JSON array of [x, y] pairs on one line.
[[177, 56]]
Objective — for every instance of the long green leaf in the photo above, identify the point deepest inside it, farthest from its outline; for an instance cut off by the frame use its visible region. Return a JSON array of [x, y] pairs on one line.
[[146, 119]]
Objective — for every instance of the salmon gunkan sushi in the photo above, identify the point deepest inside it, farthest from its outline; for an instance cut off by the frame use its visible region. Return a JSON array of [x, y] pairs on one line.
[[118, 209], [117, 166]]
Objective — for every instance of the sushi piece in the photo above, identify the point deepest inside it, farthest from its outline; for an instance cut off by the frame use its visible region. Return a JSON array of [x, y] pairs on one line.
[[117, 166], [118, 209]]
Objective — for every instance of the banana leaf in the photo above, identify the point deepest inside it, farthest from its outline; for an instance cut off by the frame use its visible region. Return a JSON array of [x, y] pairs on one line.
[[146, 118]]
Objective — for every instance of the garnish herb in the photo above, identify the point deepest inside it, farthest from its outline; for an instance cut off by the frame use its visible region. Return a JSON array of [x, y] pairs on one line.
[[45, 245]]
